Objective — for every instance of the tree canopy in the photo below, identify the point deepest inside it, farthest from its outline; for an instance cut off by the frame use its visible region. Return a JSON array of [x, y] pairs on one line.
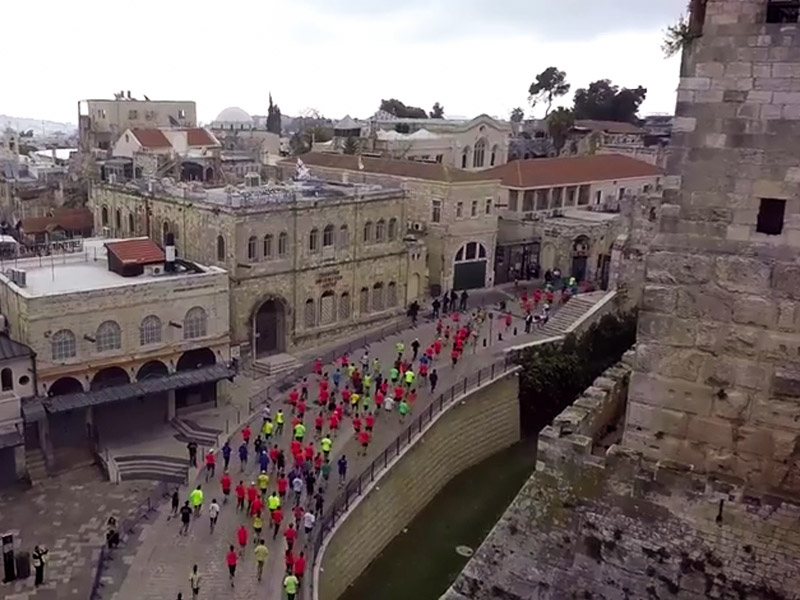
[[549, 85], [273, 117], [604, 101], [559, 122], [517, 115], [395, 107], [437, 112]]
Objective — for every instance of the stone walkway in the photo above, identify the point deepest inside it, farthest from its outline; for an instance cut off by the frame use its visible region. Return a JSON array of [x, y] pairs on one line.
[[67, 514], [161, 567]]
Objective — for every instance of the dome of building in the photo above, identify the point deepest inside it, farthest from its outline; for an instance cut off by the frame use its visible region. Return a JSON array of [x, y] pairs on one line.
[[233, 114]]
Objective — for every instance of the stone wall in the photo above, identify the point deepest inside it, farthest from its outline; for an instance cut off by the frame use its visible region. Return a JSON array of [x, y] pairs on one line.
[[615, 525], [717, 381], [449, 446]]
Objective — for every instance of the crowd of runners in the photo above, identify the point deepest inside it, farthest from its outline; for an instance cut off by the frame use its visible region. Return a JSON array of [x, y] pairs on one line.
[[275, 477]]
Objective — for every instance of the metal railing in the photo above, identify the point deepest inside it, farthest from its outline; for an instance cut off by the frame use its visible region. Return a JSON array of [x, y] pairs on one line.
[[282, 384], [125, 528], [355, 487]]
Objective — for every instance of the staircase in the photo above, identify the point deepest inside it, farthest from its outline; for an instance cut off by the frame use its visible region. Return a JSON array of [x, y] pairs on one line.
[[152, 467], [276, 365], [189, 430], [34, 461], [568, 314]]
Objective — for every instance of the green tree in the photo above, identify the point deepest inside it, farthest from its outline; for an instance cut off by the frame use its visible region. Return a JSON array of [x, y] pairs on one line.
[[549, 85], [559, 123], [677, 36], [350, 146], [604, 101], [273, 117], [517, 115], [394, 107], [437, 112]]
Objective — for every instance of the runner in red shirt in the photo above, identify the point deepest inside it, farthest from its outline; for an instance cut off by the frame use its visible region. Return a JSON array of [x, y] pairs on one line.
[[437, 346], [384, 387], [429, 353], [290, 533], [508, 320], [301, 409], [398, 393], [379, 396], [273, 456], [277, 517], [370, 422], [246, 434], [333, 422], [257, 507], [339, 410], [293, 397], [345, 360], [318, 462], [423, 370], [211, 464], [319, 422], [356, 424], [300, 566], [225, 482], [252, 493], [241, 536], [411, 397], [537, 296], [309, 452], [454, 356], [447, 332], [346, 395], [363, 439], [549, 297], [288, 558], [318, 366], [298, 512], [322, 400], [283, 485], [296, 447], [240, 493]]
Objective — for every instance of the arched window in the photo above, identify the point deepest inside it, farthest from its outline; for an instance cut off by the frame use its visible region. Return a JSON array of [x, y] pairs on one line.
[[252, 250], [471, 251], [195, 323], [465, 158], [118, 219], [480, 153], [62, 344], [313, 240], [493, 158], [344, 236], [108, 336], [327, 236], [327, 308], [220, 248], [104, 216], [7, 379], [367, 232], [380, 231], [377, 297], [150, 331], [131, 224], [310, 313], [363, 301], [391, 295], [344, 306], [392, 229], [283, 244], [267, 246], [164, 230]]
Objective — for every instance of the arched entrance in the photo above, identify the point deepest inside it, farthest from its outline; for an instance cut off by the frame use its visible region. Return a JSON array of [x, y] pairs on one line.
[[269, 328], [70, 434], [63, 386], [580, 257], [209, 174], [469, 268], [191, 172], [197, 395], [152, 370], [548, 257], [109, 377]]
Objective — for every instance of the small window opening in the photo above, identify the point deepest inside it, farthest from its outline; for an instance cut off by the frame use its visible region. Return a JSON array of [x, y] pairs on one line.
[[783, 11], [770, 216]]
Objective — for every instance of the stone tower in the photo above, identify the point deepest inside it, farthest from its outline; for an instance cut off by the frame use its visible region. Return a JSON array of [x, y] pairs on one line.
[[717, 371]]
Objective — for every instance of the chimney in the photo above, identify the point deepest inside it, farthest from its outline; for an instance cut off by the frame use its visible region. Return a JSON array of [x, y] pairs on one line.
[[169, 251]]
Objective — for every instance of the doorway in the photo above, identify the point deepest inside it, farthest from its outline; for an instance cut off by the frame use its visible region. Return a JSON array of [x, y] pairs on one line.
[[269, 328]]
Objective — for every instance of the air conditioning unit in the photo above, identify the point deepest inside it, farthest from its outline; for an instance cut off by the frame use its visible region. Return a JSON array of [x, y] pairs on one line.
[[154, 270], [106, 232], [20, 277]]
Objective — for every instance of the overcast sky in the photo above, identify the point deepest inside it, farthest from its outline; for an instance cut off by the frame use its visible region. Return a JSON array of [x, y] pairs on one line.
[[337, 56]]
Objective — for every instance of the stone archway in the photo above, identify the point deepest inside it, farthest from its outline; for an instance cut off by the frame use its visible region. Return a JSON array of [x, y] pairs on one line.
[[195, 359], [269, 327], [191, 171], [109, 377], [581, 248], [152, 370], [198, 395], [209, 174], [64, 386]]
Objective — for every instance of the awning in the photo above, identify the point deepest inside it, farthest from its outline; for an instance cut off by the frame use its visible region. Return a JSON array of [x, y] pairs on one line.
[[10, 437], [32, 410], [174, 381]]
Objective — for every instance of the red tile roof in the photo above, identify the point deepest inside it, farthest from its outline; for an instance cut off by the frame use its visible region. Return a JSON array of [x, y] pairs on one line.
[[388, 166], [151, 138], [549, 172], [136, 252], [69, 219], [200, 137]]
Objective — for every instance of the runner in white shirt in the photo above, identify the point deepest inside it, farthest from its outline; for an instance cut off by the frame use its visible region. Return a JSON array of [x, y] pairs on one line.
[[213, 513], [308, 521]]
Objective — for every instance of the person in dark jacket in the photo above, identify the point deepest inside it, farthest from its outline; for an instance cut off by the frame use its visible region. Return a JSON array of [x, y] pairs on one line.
[[39, 559]]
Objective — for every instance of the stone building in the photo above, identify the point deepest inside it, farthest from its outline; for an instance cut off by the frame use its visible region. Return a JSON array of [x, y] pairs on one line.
[[453, 210], [124, 337], [17, 383], [102, 122], [247, 145], [717, 378], [308, 262]]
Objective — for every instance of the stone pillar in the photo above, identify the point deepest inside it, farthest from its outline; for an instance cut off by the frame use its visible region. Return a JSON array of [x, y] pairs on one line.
[[45, 443], [170, 405], [19, 461]]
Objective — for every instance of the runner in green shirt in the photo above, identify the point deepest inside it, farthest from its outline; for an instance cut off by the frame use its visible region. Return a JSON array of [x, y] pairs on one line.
[[290, 584], [403, 407], [400, 346], [394, 374], [261, 553], [197, 499], [376, 366], [326, 470], [367, 382], [326, 443], [299, 431], [409, 377], [274, 502]]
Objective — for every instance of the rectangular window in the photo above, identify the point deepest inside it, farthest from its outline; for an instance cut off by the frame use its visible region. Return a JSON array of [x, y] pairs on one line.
[[101, 114], [557, 198], [459, 210], [439, 158], [783, 11], [474, 209], [542, 199], [133, 115], [770, 216], [512, 200], [181, 114], [583, 195], [488, 209], [436, 211], [598, 197], [570, 196], [527, 201], [621, 193]]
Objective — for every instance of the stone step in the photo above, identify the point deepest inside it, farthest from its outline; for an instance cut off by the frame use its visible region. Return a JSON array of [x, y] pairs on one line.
[[189, 430], [277, 365], [153, 476], [152, 467], [36, 465]]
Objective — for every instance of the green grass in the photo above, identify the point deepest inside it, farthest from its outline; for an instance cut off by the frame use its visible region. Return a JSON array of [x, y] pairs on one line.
[[422, 563]]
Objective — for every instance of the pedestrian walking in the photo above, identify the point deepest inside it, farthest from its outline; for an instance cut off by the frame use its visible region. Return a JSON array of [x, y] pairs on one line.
[[342, 466], [445, 303], [436, 305], [231, 559], [197, 500], [319, 502], [528, 322], [415, 349], [261, 553], [39, 559], [226, 454], [434, 379], [192, 447], [464, 298], [186, 517], [194, 582], [213, 514]]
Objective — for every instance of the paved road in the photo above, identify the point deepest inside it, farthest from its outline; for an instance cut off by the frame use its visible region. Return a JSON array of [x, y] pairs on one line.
[[161, 568]]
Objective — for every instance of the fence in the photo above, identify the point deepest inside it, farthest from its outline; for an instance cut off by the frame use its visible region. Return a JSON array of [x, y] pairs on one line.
[[284, 383], [125, 527], [355, 487]]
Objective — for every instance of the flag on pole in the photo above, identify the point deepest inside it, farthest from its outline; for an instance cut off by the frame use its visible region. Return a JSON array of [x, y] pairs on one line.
[[301, 172], [360, 163]]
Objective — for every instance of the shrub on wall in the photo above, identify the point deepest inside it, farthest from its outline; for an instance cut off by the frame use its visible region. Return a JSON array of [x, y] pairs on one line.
[[554, 375]]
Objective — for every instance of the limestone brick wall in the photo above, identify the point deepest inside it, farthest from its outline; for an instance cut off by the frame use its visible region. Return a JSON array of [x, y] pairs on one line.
[[448, 447], [717, 377], [615, 525]]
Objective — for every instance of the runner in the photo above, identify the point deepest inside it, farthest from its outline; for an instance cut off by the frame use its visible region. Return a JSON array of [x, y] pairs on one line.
[[197, 500], [279, 419], [231, 560], [283, 485], [252, 492], [403, 408], [326, 471], [242, 456], [240, 494], [326, 444], [409, 377], [434, 378], [299, 431], [308, 523], [263, 483], [363, 439], [194, 582], [291, 535], [225, 483], [226, 454], [277, 517], [186, 517], [268, 428], [258, 524], [213, 513], [297, 511], [342, 467], [300, 566], [241, 536], [246, 434], [261, 553]]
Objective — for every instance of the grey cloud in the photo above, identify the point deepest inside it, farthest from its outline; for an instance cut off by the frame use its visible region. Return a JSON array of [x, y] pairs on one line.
[[550, 19]]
